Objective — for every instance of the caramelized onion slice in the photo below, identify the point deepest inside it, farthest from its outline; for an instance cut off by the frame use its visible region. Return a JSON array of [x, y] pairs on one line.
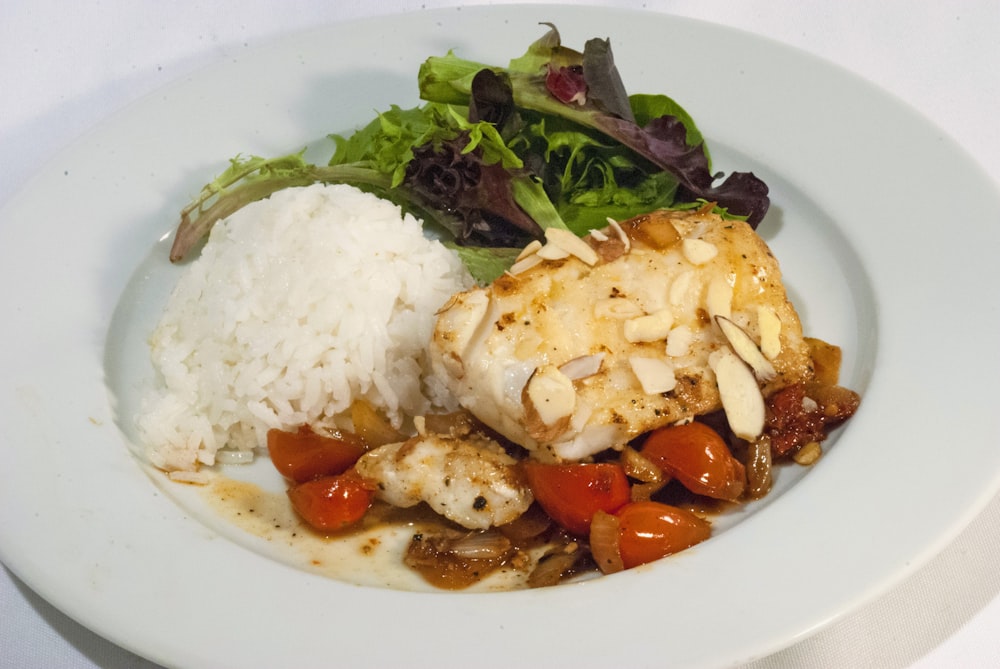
[[604, 546], [553, 567], [531, 524], [371, 426], [639, 467], [482, 545], [758, 467]]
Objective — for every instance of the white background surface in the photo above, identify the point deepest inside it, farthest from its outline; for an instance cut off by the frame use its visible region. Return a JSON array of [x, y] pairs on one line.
[[64, 67]]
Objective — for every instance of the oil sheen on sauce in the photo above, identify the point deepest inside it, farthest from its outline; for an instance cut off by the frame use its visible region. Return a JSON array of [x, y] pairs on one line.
[[371, 555]]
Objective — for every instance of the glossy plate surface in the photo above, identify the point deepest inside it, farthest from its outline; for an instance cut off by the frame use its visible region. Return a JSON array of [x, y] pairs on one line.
[[872, 257]]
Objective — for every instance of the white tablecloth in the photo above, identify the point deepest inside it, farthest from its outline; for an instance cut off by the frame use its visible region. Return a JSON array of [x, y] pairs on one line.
[[65, 66]]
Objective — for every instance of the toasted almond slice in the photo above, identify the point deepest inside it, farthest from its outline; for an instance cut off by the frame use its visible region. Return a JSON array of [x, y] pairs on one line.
[[655, 375], [552, 394], [698, 251], [741, 397], [651, 327], [702, 226], [679, 341], [720, 297], [532, 247], [621, 234], [552, 252], [680, 286], [770, 331], [582, 367], [572, 244], [524, 264], [420, 425], [745, 347]]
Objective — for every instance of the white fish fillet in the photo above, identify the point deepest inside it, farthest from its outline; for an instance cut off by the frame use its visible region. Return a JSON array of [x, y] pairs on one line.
[[468, 479], [632, 333]]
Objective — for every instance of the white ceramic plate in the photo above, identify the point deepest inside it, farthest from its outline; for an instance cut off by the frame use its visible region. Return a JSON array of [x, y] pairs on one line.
[[876, 222]]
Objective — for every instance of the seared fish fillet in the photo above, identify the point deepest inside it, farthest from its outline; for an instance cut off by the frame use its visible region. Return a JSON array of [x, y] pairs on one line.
[[468, 479], [588, 343]]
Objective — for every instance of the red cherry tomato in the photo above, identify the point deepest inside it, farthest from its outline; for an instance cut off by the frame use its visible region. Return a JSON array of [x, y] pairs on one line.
[[572, 493], [698, 457], [305, 455], [332, 503], [648, 531]]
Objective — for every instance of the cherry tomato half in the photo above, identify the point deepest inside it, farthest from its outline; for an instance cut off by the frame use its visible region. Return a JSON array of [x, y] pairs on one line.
[[648, 531], [332, 503], [305, 455], [572, 493], [699, 458]]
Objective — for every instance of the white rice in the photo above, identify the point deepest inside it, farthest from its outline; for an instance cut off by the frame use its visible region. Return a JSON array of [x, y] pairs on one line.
[[297, 306]]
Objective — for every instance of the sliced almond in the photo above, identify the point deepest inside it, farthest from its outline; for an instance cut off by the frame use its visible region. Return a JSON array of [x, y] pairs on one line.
[[552, 252], [532, 247], [770, 331], [572, 244], [621, 234], [582, 367], [655, 375], [701, 226], [524, 264], [720, 297], [651, 327], [679, 341], [420, 425], [598, 235], [698, 251], [741, 397], [745, 347], [551, 393], [680, 286]]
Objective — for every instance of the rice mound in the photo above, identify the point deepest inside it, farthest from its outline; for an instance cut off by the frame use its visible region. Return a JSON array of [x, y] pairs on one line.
[[297, 306]]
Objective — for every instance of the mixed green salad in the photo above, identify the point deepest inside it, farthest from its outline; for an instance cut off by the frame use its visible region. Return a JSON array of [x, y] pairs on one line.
[[496, 155]]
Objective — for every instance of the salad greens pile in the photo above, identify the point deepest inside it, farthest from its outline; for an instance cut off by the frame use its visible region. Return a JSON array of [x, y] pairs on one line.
[[497, 155]]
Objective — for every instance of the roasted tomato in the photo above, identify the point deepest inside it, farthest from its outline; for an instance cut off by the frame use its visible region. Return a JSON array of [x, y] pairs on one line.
[[305, 455], [572, 493], [332, 503], [699, 458], [793, 422], [648, 531]]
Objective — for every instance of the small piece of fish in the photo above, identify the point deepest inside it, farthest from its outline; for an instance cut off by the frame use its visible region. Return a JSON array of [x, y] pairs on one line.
[[469, 479]]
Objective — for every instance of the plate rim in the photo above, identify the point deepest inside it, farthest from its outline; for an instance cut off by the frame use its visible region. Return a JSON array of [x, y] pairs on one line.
[[971, 509]]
